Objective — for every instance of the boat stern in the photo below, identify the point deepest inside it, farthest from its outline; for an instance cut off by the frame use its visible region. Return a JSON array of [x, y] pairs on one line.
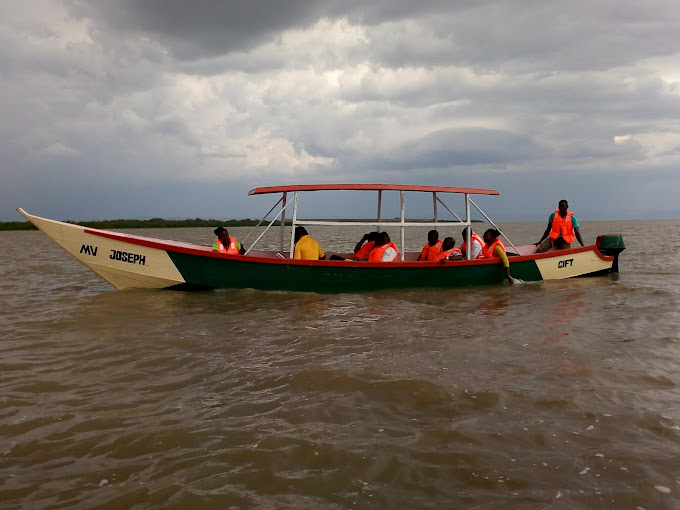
[[611, 245]]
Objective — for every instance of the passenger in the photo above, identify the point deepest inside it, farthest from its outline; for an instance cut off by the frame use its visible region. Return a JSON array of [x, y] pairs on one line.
[[362, 250], [561, 230], [432, 249], [306, 248], [476, 245], [226, 244], [494, 248], [449, 251], [384, 250]]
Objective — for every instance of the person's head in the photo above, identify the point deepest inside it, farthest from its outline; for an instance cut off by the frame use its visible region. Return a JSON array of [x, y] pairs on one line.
[[432, 237], [299, 233], [491, 235], [380, 238], [373, 236], [222, 234], [448, 244], [563, 206]]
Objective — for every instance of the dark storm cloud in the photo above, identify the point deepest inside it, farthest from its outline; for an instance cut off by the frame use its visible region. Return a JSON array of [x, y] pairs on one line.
[[214, 27], [202, 28], [486, 35]]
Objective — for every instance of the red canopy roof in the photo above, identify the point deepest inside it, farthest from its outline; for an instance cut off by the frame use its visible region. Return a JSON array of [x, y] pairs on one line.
[[370, 187]]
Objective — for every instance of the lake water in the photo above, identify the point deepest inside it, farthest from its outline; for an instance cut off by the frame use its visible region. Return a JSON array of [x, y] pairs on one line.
[[551, 395]]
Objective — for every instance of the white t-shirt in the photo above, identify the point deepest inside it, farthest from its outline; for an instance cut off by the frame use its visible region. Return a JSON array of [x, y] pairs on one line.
[[391, 254], [475, 249]]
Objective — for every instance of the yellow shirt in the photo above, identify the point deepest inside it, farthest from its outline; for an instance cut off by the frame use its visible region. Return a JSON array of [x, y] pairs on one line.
[[307, 249], [498, 252]]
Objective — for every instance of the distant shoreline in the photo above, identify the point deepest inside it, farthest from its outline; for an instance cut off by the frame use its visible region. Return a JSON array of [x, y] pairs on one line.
[[162, 223], [152, 223]]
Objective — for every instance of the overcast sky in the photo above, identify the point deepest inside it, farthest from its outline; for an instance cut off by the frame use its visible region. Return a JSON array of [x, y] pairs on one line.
[[176, 108]]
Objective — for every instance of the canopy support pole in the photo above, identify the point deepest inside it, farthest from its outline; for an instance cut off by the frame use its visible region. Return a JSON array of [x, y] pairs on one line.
[[292, 232], [434, 205], [379, 208], [260, 222], [468, 230], [445, 207], [265, 230], [283, 219], [401, 200], [496, 226]]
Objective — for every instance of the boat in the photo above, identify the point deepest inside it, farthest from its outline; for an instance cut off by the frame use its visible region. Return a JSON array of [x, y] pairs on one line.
[[129, 261]]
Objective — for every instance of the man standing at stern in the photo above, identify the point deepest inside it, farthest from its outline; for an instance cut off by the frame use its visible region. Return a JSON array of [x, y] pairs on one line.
[[561, 231]]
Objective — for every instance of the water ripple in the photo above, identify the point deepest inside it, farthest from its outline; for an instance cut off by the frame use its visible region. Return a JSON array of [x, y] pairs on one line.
[[556, 395]]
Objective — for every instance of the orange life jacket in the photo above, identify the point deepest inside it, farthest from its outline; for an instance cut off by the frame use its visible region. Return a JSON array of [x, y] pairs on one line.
[[478, 238], [377, 252], [488, 252], [562, 227], [430, 253], [447, 253], [364, 250], [230, 250]]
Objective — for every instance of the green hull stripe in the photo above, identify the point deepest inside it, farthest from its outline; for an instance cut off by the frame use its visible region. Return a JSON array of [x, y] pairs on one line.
[[229, 274]]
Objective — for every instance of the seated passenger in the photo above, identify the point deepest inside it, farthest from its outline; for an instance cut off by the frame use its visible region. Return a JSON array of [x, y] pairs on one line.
[[226, 244], [306, 248], [431, 250], [476, 244], [449, 251], [494, 248], [362, 250], [384, 250]]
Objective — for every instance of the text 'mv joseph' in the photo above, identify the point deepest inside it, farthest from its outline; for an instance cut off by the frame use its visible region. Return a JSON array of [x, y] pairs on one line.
[[123, 256]]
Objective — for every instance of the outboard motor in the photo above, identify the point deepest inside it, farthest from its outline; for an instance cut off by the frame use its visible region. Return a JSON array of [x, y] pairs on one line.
[[611, 245]]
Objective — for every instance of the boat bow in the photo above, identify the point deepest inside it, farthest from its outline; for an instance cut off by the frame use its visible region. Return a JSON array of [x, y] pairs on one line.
[[123, 265]]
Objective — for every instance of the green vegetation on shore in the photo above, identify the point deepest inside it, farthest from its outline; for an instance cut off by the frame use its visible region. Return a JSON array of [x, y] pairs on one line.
[[16, 225], [152, 223]]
